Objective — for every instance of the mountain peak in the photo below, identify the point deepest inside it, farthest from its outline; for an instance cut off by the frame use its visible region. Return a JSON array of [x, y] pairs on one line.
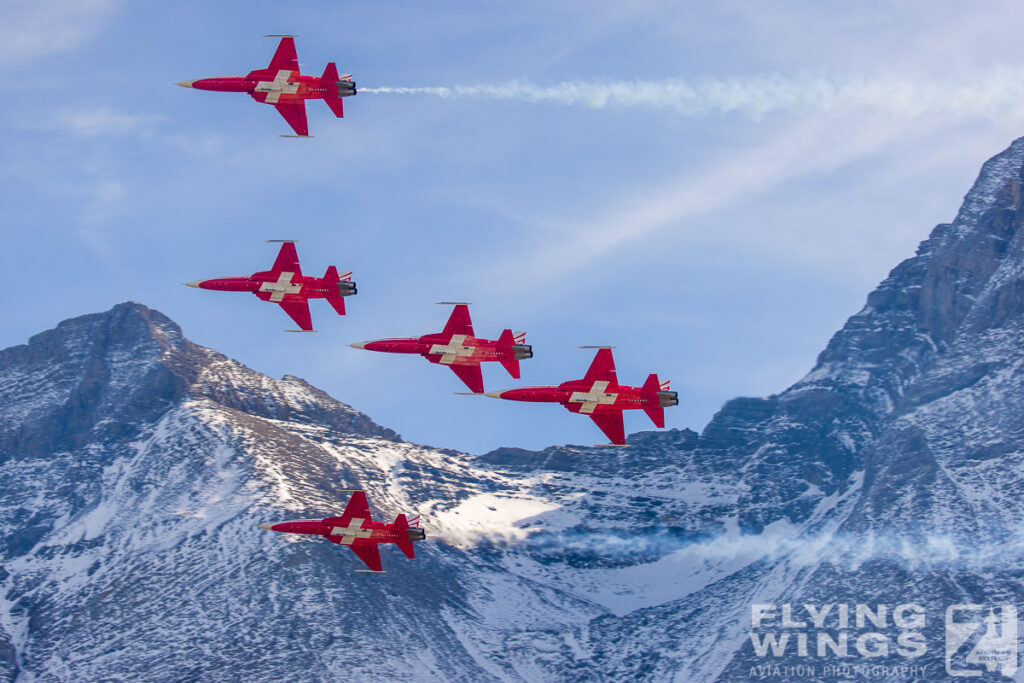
[[122, 368]]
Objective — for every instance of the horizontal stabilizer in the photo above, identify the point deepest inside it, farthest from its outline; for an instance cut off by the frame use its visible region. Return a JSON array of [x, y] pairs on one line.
[[338, 304], [337, 106], [657, 415], [652, 384], [512, 365]]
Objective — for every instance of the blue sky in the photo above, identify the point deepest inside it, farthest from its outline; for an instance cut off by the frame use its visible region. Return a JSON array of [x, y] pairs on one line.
[[712, 189]]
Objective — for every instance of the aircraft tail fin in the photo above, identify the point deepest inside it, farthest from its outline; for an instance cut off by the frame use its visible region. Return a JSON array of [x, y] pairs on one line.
[[338, 287], [508, 341], [656, 410], [330, 76], [400, 529], [332, 93], [657, 398]]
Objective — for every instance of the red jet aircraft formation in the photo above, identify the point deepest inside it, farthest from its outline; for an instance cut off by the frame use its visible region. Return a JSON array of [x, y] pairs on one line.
[[598, 394]]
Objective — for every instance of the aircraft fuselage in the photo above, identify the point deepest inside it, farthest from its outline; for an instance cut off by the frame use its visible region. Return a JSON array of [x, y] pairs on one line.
[[270, 287], [458, 349], [274, 87], [581, 396], [356, 533]]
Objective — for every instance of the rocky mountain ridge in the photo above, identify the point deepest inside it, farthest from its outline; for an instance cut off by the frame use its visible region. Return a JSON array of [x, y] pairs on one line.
[[137, 464]]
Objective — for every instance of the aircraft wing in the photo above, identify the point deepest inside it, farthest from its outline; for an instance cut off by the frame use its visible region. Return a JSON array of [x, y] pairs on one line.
[[602, 368], [459, 322], [470, 376], [295, 114], [287, 261], [357, 508], [284, 58], [299, 312], [611, 425], [368, 553]]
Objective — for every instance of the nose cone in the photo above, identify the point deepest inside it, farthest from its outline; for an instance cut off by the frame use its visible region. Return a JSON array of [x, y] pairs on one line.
[[268, 527], [359, 345], [494, 394], [195, 283], [186, 84]]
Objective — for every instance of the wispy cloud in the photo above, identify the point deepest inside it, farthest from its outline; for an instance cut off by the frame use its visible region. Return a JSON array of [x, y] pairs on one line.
[[35, 28], [997, 92], [103, 121], [807, 146]]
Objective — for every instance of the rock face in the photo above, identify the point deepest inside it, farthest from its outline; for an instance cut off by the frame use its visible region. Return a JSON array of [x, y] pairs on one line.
[[135, 466]]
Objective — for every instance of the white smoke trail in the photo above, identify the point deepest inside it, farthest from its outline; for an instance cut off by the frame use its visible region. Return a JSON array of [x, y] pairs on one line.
[[916, 553], [997, 93]]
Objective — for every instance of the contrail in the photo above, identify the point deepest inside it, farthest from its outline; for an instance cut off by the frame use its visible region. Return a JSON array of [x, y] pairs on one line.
[[1000, 91]]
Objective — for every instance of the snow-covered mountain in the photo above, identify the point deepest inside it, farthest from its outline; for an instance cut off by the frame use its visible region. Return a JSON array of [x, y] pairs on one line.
[[135, 466]]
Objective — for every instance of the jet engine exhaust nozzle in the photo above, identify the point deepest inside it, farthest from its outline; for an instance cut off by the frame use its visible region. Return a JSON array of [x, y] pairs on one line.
[[522, 351], [668, 398]]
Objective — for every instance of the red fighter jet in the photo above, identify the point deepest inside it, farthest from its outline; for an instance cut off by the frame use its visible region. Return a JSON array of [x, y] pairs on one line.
[[284, 284], [456, 347], [600, 396], [281, 85], [358, 531]]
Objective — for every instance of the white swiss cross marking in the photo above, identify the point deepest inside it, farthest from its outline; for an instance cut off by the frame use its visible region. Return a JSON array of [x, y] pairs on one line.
[[591, 399], [453, 349], [284, 285], [277, 87], [351, 532]]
